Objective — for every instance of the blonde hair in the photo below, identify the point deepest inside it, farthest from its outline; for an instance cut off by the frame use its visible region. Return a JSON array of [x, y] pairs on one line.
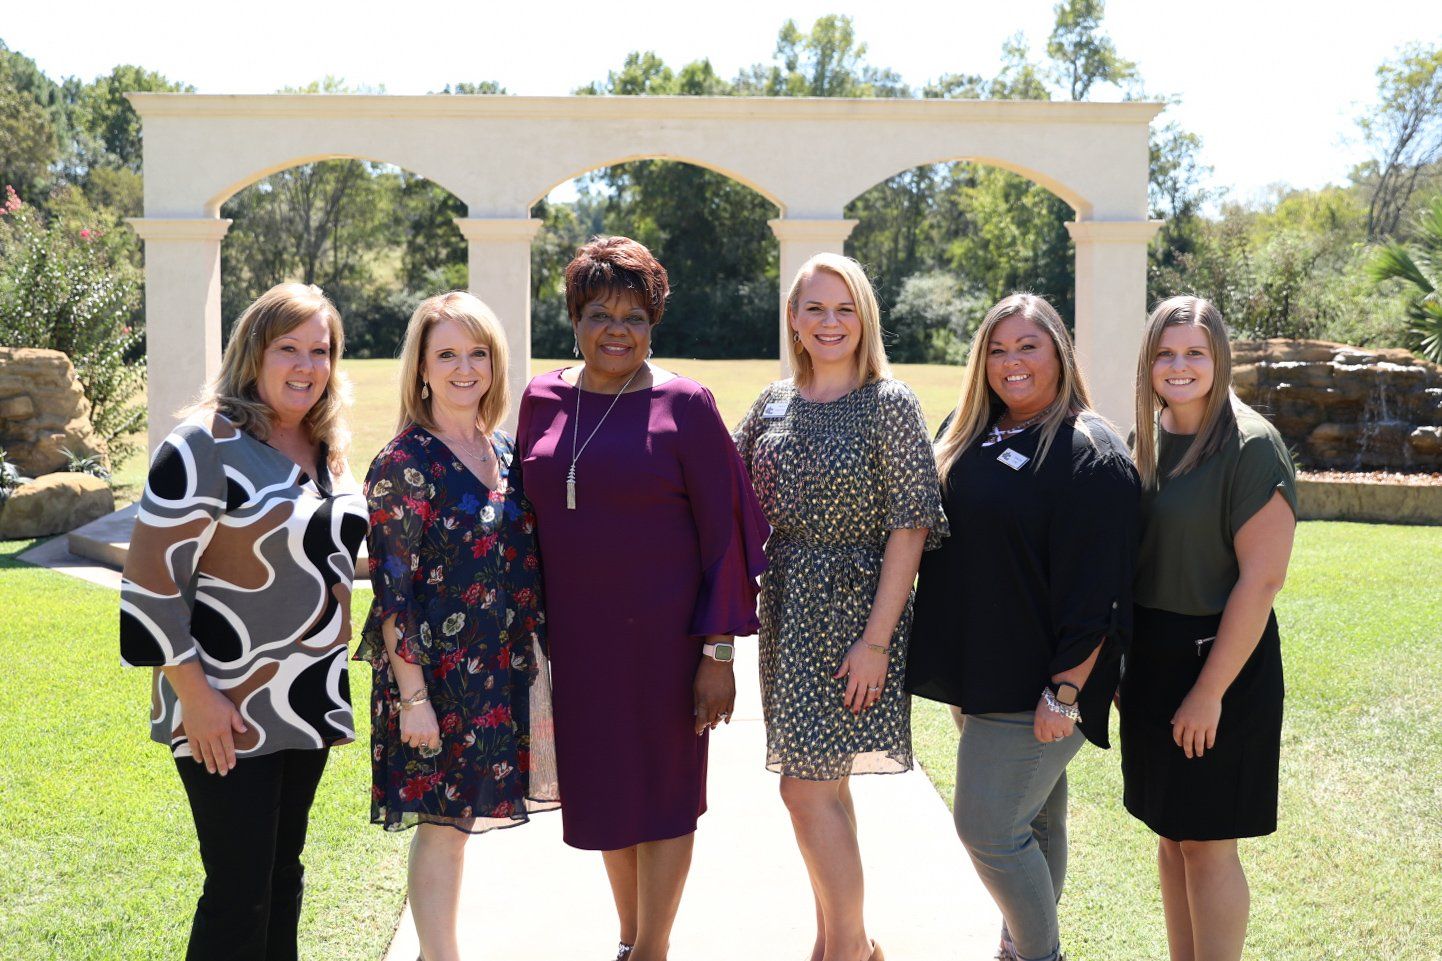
[[979, 404], [1219, 419], [233, 391], [871, 362], [478, 320]]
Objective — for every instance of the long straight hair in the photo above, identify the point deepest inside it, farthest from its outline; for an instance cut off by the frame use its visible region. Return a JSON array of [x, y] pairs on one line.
[[979, 404], [479, 321], [871, 362], [1219, 418], [234, 393]]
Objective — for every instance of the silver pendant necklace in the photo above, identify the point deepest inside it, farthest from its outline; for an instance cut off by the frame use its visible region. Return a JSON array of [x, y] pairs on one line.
[[999, 433], [456, 444], [576, 430]]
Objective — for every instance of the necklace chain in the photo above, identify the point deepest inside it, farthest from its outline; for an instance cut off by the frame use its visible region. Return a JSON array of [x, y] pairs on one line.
[[999, 433], [456, 443], [576, 432]]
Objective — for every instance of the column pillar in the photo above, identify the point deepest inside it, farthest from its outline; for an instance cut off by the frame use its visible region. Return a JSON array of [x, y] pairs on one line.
[[499, 261], [182, 313], [800, 240], [1111, 309]]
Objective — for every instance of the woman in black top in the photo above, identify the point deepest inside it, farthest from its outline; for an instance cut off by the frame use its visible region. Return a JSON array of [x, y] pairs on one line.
[[1021, 617]]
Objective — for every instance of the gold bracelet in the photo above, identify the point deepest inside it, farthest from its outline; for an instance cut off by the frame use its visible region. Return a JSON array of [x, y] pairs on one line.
[[883, 648], [419, 697]]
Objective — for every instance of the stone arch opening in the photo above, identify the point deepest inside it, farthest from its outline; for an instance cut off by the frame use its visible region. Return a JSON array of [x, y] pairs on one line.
[[679, 209]]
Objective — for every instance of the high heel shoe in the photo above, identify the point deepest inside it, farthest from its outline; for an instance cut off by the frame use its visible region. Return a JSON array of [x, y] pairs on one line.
[[623, 950]]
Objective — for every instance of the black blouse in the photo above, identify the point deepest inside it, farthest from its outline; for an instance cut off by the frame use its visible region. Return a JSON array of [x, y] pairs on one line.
[[1037, 572]]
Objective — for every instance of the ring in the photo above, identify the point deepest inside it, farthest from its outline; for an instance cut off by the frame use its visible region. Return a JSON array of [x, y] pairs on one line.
[[873, 689], [427, 750]]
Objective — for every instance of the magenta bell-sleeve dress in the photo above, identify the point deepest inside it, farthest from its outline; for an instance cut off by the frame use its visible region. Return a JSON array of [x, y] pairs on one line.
[[663, 548]]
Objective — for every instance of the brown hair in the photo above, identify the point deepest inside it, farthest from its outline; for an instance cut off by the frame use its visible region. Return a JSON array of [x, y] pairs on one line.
[[979, 403], [608, 265], [1219, 419], [476, 319], [233, 391], [871, 362]]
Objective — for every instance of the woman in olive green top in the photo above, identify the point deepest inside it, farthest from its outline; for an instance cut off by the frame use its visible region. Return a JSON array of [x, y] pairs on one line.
[[1201, 699]]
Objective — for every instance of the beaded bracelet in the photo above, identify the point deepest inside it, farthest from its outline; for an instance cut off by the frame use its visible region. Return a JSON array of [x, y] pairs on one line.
[[1069, 711]]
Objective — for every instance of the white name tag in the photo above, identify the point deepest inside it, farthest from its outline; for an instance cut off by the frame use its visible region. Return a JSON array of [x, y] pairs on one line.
[[775, 409], [1012, 459]]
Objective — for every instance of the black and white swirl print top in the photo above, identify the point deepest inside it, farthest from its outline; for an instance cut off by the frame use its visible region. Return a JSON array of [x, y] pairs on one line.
[[244, 562]]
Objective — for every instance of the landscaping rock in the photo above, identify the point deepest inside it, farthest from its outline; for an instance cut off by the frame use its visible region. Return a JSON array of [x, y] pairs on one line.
[[1345, 407], [54, 504], [43, 410]]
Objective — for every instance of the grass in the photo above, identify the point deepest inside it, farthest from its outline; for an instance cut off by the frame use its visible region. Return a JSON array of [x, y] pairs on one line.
[[1352, 872], [101, 862], [736, 383], [99, 851]]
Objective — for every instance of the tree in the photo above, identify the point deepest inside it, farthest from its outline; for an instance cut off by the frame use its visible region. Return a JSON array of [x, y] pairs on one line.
[[1081, 55], [29, 135], [825, 61], [1405, 133], [106, 120], [1419, 264]]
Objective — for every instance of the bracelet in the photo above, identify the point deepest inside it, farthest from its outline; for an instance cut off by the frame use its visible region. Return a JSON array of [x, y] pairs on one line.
[[1069, 711], [883, 648], [419, 697]]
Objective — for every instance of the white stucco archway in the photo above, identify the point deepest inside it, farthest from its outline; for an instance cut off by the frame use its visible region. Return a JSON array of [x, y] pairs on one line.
[[500, 155]]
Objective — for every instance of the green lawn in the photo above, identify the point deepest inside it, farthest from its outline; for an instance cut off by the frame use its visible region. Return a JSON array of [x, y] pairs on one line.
[[1352, 872], [100, 860], [99, 853]]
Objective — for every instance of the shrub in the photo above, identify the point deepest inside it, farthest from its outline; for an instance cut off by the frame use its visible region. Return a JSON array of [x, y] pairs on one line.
[[932, 320], [85, 464], [64, 287]]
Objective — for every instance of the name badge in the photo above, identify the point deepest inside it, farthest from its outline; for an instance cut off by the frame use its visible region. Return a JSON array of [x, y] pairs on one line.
[[1012, 459], [775, 409]]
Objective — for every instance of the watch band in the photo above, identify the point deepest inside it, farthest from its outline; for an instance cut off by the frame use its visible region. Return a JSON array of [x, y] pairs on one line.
[[724, 652], [1056, 689]]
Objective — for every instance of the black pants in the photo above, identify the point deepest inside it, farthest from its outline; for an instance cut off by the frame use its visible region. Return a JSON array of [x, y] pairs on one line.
[[251, 825]]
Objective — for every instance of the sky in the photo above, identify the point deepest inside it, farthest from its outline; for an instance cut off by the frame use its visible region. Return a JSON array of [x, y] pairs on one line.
[[1273, 87]]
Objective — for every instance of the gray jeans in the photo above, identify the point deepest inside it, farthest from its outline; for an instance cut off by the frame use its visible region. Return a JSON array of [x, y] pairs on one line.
[[1010, 813]]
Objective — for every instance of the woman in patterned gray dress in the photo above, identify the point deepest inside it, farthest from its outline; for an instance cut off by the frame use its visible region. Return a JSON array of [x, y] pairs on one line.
[[842, 464]]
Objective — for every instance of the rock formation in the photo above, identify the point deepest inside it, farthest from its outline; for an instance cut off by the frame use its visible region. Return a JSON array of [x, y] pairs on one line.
[[42, 410], [1343, 407]]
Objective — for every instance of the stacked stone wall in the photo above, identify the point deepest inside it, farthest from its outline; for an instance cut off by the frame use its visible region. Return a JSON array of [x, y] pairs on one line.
[[1345, 408]]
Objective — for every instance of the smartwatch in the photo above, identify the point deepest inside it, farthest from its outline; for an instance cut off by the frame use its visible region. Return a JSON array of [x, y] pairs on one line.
[[725, 652], [1065, 692]]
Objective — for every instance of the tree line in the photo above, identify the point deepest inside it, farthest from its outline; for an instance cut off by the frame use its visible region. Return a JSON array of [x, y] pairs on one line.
[[942, 242]]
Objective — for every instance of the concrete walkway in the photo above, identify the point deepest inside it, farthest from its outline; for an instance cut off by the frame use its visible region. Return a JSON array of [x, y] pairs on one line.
[[748, 895]]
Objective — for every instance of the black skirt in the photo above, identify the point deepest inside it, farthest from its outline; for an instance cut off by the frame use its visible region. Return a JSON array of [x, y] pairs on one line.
[[1231, 790]]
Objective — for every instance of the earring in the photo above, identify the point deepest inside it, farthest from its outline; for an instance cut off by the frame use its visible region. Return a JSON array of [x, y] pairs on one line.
[[425, 390], [575, 347], [795, 337]]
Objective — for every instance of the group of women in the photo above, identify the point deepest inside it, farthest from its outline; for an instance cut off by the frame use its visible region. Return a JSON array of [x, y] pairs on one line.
[[554, 613]]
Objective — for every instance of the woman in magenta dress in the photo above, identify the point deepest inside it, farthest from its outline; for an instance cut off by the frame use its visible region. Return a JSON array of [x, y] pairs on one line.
[[650, 543]]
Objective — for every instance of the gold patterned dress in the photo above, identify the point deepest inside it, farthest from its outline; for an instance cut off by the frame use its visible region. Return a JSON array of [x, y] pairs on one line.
[[834, 479]]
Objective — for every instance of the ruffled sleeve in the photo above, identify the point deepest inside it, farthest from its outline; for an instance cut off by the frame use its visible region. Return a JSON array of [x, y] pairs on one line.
[[907, 465], [729, 522], [185, 494], [750, 427], [399, 509]]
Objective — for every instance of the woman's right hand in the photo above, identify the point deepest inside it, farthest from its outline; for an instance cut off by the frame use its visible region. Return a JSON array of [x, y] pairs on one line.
[[211, 723], [419, 727]]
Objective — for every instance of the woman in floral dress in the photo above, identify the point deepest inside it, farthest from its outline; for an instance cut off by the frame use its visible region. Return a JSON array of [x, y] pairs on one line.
[[460, 709]]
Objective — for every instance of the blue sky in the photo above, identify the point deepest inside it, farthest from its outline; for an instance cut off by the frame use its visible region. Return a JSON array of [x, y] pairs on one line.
[[1273, 87]]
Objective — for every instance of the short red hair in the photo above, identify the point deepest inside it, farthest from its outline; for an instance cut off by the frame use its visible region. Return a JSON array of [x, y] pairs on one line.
[[609, 265]]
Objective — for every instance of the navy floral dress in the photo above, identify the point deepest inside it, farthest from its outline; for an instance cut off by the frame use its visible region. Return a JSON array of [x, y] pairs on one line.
[[458, 567]]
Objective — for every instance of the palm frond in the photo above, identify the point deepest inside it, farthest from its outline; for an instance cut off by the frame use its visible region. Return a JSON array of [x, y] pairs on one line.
[[1394, 262]]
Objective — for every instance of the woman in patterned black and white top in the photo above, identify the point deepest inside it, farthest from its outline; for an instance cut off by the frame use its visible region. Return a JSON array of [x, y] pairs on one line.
[[237, 591]]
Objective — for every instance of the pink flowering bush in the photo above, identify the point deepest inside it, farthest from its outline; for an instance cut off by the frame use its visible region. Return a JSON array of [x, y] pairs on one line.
[[63, 288]]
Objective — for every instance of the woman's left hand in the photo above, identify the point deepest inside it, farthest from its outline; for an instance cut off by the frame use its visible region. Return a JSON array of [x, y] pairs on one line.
[[715, 691], [1050, 726], [864, 668], [1194, 726]]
